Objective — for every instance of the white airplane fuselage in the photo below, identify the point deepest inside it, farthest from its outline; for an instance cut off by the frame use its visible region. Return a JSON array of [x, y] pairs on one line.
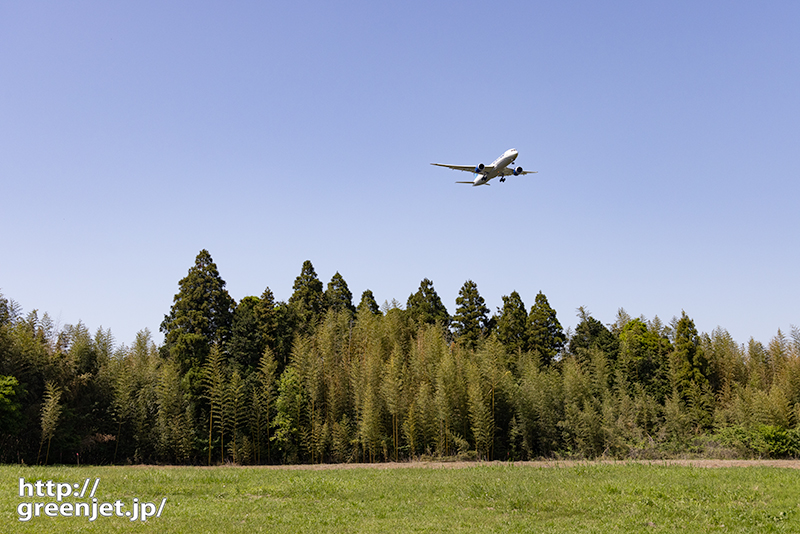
[[496, 167]]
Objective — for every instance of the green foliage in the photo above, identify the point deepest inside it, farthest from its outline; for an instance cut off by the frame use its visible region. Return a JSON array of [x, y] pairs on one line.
[[9, 403], [726, 361], [215, 391], [592, 333], [512, 324], [267, 319], [263, 401], [584, 390], [307, 301], [50, 414], [539, 407], [489, 394], [201, 315], [288, 423], [174, 419], [545, 334], [314, 380], [643, 358], [337, 296], [425, 306], [688, 362], [471, 321], [452, 402], [238, 450], [248, 339], [368, 303], [762, 440]]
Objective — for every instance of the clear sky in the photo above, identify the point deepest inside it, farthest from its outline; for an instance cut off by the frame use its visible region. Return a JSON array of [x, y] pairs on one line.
[[135, 134]]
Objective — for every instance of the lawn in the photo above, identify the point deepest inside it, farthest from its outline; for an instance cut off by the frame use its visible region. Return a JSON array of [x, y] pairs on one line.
[[482, 498]]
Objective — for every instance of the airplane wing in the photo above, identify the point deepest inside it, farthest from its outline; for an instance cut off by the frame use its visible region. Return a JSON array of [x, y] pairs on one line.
[[467, 168], [510, 172]]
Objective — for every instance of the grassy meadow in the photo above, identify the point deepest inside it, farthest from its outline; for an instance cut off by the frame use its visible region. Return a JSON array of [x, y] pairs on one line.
[[625, 497]]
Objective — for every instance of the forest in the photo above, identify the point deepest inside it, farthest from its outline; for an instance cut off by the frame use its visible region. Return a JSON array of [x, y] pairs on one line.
[[318, 379]]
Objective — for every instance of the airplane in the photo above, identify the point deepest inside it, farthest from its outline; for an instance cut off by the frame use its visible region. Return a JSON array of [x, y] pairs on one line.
[[484, 173]]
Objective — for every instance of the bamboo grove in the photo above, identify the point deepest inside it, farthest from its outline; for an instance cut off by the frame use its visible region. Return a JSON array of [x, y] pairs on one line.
[[317, 379]]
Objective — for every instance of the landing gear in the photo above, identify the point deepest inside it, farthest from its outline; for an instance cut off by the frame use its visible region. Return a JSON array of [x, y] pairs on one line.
[[503, 179]]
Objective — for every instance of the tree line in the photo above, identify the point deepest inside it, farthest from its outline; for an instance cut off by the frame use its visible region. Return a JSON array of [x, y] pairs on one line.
[[318, 379]]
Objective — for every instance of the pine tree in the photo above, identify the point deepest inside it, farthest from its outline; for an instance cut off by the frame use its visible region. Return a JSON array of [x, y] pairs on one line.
[[689, 364], [471, 321], [307, 300], [286, 328], [337, 296], [201, 315], [512, 324], [368, 303], [267, 317], [425, 306], [247, 341], [592, 333], [544, 331]]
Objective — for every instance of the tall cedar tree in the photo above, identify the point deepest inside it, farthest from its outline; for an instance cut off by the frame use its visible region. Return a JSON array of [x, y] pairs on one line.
[[592, 333], [247, 341], [512, 324], [338, 296], [425, 306], [267, 319], [201, 315], [368, 303], [307, 300], [544, 331], [471, 321], [689, 364]]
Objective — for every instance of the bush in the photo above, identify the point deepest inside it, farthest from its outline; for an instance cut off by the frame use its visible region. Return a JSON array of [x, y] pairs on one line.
[[762, 440]]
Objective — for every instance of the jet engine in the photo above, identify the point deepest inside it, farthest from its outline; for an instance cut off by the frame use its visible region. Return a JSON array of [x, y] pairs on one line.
[[479, 168], [517, 171]]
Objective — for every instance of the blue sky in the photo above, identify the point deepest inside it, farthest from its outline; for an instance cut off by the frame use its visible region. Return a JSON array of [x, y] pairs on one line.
[[133, 135]]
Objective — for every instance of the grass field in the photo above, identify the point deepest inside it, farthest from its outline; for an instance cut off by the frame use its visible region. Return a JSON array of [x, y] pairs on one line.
[[478, 498]]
